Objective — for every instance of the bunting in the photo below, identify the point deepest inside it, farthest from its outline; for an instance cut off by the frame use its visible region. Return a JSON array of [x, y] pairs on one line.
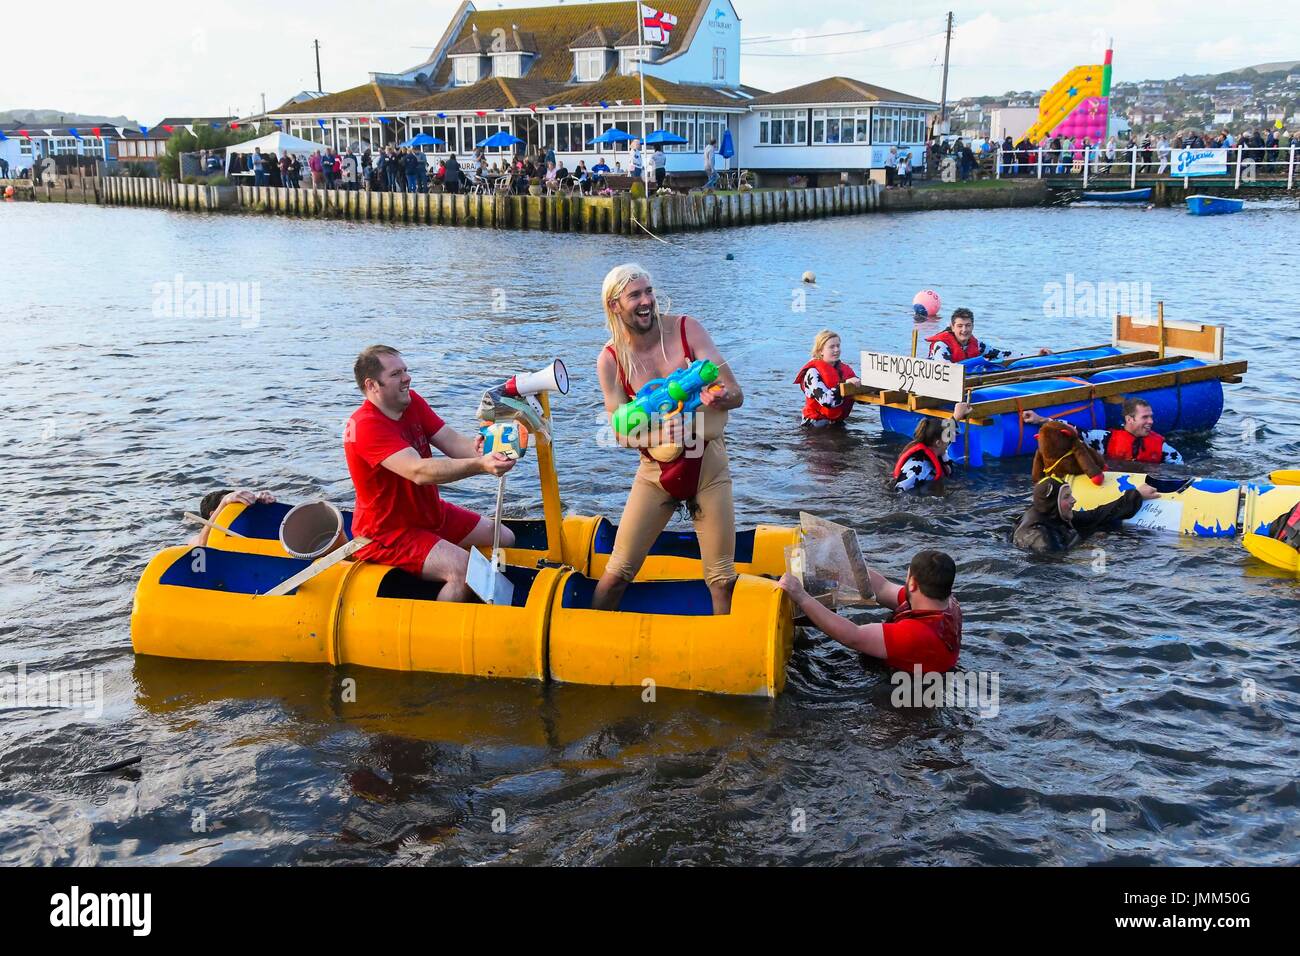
[[604, 105], [170, 129], [278, 123], [121, 133], [72, 131], [95, 130], [480, 113], [25, 134], [189, 128], [321, 123], [3, 137], [216, 125], [49, 132], [344, 122]]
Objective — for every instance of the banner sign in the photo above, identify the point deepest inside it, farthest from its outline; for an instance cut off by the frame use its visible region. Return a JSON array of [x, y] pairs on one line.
[[1200, 162], [903, 373]]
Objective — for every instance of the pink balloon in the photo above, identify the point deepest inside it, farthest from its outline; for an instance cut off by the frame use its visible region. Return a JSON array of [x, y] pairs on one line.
[[927, 302]]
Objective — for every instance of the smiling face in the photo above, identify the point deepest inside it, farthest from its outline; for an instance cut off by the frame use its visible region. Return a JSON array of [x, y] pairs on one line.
[[1065, 502], [1140, 423], [635, 306], [831, 350], [392, 390], [963, 328]]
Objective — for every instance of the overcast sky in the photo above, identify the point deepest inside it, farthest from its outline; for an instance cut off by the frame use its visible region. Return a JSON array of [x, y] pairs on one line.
[[149, 59]]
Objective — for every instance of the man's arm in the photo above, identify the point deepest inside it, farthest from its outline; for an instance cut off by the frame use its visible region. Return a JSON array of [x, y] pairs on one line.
[[455, 445], [443, 471], [702, 345], [865, 638]]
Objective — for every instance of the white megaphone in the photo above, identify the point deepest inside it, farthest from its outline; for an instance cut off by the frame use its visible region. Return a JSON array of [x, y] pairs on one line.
[[552, 378]]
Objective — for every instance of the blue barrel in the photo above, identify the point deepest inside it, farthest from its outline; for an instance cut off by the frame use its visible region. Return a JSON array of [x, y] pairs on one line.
[[1196, 406]]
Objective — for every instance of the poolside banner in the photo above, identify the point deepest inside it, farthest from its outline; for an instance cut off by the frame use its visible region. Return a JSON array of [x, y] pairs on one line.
[[1200, 162], [917, 376]]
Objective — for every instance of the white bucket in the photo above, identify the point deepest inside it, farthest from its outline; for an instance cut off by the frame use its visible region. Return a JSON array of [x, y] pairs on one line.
[[312, 530]]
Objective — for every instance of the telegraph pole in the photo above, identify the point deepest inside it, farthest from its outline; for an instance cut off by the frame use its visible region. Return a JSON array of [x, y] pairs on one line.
[[943, 95], [321, 89]]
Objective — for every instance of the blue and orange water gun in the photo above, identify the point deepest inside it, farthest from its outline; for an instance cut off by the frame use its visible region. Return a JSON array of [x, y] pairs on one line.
[[679, 393]]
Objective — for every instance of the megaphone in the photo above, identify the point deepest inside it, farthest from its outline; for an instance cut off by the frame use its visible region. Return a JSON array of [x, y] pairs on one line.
[[552, 378]]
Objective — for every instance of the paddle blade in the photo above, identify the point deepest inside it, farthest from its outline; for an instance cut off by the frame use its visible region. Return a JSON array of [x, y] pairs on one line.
[[486, 581], [1272, 551], [1285, 477]]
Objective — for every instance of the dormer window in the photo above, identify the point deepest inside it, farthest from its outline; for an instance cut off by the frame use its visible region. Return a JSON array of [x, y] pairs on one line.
[[508, 65], [592, 55], [632, 52], [468, 69]]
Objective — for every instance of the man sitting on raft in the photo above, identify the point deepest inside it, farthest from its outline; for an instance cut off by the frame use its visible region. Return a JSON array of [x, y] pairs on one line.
[[388, 442], [924, 628], [957, 342], [820, 381], [1051, 526], [925, 458], [643, 346], [214, 501], [1134, 442]]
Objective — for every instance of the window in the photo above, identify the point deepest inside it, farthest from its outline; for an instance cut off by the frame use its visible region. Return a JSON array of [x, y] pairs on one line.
[[468, 69], [683, 124], [838, 127], [629, 56], [783, 127], [719, 64], [895, 125], [710, 127], [570, 133], [509, 65], [589, 65], [475, 129]]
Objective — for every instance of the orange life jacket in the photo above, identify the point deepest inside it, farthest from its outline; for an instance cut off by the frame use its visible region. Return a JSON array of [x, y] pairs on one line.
[[970, 350], [832, 375], [1122, 446], [939, 470]]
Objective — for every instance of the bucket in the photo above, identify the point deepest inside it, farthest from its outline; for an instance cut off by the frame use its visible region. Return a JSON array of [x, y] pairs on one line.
[[312, 530]]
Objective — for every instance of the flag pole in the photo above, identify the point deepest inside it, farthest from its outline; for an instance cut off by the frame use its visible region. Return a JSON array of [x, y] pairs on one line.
[[640, 69]]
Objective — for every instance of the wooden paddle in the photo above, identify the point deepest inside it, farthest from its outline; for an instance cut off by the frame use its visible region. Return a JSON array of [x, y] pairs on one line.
[[190, 516], [1286, 476], [317, 567], [1272, 551]]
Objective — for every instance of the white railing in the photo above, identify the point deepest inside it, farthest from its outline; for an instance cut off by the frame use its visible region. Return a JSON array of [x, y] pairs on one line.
[[1245, 164]]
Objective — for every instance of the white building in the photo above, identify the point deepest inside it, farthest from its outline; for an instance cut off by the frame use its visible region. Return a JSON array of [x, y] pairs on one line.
[[559, 76], [24, 145]]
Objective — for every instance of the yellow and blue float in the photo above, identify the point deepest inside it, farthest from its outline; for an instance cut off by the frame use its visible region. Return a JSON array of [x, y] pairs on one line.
[[211, 603]]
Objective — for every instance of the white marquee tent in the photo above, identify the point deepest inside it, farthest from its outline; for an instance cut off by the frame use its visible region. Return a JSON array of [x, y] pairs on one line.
[[278, 143]]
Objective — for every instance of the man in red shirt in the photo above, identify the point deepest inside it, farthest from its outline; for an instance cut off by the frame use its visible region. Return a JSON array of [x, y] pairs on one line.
[[388, 446], [925, 628]]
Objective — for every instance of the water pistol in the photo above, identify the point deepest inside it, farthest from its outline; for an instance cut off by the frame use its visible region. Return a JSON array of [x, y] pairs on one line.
[[679, 393]]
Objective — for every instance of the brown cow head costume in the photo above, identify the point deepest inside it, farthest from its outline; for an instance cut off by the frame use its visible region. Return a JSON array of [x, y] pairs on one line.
[[1062, 453]]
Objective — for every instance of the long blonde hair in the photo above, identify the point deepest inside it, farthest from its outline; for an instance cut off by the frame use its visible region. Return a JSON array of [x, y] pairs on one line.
[[615, 282], [819, 343]]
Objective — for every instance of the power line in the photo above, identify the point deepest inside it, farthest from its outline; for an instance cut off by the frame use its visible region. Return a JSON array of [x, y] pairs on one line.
[[793, 37], [867, 49]]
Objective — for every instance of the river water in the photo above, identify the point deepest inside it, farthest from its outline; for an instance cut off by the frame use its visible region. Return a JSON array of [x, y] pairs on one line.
[[1148, 691]]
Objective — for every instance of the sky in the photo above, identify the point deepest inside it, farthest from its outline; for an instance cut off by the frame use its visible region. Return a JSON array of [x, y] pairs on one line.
[[151, 59]]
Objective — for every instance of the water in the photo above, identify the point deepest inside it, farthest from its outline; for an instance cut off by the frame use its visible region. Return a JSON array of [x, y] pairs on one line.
[[1119, 691]]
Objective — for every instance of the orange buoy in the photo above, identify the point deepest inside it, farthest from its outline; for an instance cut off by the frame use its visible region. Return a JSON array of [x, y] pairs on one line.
[[9, 192]]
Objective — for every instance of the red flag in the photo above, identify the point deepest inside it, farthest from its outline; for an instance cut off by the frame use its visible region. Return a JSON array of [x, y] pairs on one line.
[[95, 130], [170, 129], [365, 119], [234, 125], [533, 107], [25, 134], [480, 112]]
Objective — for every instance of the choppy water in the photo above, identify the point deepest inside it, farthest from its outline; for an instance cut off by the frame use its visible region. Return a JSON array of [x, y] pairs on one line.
[[1119, 691]]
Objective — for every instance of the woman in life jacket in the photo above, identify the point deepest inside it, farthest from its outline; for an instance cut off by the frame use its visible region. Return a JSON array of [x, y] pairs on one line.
[[820, 379], [957, 342], [925, 462]]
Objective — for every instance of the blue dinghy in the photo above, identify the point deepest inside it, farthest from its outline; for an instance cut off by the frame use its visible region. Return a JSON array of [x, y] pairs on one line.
[[1213, 205]]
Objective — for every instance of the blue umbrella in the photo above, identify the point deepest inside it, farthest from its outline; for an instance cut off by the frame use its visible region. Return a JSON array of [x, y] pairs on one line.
[[424, 139], [663, 136], [499, 140], [728, 148], [614, 135]]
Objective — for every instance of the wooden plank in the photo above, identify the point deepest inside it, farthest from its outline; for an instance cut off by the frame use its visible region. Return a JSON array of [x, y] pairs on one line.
[[1109, 363], [1197, 340]]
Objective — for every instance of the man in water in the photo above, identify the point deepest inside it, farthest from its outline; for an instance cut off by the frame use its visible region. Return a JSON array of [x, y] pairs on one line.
[[645, 345], [924, 628], [1051, 526], [1134, 442], [957, 342], [388, 442]]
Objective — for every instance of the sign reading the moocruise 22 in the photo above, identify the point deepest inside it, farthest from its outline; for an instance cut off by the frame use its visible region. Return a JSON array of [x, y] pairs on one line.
[[1200, 162], [903, 373]]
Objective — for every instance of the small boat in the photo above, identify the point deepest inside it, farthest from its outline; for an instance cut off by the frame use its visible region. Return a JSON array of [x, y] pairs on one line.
[[1213, 205], [1119, 195], [1194, 507]]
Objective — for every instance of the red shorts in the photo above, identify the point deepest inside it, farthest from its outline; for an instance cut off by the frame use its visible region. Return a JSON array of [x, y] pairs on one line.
[[410, 548]]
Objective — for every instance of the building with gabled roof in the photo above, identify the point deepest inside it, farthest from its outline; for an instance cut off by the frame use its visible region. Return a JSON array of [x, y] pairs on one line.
[[559, 76]]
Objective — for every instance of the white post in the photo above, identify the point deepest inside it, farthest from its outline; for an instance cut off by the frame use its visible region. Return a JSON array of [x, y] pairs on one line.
[[998, 172], [1237, 179], [1133, 168], [1039, 154], [1290, 167], [1086, 152]]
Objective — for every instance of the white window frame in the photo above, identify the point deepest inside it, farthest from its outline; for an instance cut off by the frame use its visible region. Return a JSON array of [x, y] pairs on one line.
[[510, 66], [710, 126], [719, 64], [792, 131], [683, 124], [589, 65], [858, 119], [467, 70]]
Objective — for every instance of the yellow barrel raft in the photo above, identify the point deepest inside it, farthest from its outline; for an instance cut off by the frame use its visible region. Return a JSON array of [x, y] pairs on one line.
[[586, 542], [205, 604]]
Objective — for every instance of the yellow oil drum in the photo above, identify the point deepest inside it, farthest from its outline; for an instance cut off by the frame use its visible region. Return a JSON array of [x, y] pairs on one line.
[[587, 543], [665, 634], [203, 604]]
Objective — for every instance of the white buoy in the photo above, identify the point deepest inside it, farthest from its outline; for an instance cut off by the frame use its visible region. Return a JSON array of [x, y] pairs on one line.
[[810, 278]]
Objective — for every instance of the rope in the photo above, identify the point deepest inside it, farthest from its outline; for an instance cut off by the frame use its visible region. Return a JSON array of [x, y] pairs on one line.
[[649, 233]]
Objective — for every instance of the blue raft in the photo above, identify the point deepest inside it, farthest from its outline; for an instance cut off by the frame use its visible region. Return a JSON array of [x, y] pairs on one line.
[[1193, 406]]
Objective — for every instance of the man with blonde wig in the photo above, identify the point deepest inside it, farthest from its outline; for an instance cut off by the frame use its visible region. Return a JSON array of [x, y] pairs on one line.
[[683, 457]]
